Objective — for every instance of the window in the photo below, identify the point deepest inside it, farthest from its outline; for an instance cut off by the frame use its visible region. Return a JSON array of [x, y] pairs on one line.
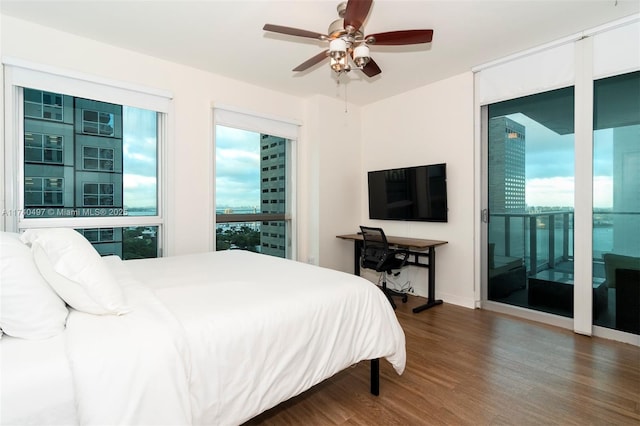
[[531, 201], [254, 189], [616, 198], [97, 123], [94, 178], [39, 148], [96, 158], [43, 191], [45, 105], [87, 163], [566, 267], [244, 191], [98, 194], [131, 242]]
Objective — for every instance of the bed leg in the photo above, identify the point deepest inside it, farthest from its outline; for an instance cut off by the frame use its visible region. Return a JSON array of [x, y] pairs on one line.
[[375, 376]]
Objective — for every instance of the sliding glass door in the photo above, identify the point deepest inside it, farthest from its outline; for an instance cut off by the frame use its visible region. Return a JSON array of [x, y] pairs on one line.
[[560, 154], [616, 202], [531, 190], [531, 201]]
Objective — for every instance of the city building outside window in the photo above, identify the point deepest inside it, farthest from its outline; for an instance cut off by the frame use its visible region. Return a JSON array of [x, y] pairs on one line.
[[77, 155], [254, 191]]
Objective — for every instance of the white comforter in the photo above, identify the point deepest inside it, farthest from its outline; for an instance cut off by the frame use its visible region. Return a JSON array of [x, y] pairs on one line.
[[217, 338]]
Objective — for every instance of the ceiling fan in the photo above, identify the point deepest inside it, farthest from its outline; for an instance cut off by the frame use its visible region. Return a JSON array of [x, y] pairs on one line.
[[348, 46]]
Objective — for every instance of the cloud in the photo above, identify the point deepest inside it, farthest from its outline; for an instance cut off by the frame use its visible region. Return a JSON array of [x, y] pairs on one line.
[[603, 192], [559, 191], [236, 193], [139, 154], [139, 191], [237, 168], [547, 153], [229, 159], [554, 191], [237, 162], [130, 181], [229, 137], [139, 158], [550, 166], [137, 151]]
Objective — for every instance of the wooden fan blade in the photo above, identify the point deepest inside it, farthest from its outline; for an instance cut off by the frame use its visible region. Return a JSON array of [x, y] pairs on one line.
[[356, 12], [293, 31], [371, 69], [312, 61], [398, 38]]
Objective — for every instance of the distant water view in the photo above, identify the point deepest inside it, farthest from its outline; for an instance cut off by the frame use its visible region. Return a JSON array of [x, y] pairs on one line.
[[519, 235], [237, 210], [602, 241], [152, 211], [141, 211]]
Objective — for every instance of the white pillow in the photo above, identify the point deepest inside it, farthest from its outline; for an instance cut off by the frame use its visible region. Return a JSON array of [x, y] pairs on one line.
[[75, 270], [29, 308]]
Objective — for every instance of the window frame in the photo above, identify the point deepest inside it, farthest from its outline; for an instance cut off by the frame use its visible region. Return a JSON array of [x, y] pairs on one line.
[[577, 60], [263, 124], [20, 74]]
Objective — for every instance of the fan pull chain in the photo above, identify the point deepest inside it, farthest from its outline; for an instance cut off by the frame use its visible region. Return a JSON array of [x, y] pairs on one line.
[[346, 104], [346, 107]]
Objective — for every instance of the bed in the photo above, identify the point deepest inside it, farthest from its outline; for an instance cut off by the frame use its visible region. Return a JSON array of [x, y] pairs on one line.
[[210, 338]]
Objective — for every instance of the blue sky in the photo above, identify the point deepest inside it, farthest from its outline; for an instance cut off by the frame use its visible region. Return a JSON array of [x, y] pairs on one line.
[[237, 168], [139, 157], [550, 166], [237, 163]]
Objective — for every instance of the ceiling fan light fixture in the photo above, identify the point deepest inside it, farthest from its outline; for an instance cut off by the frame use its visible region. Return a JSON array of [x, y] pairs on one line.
[[337, 48], [339, 65], [361, 55], [338, 55], [348, 44]]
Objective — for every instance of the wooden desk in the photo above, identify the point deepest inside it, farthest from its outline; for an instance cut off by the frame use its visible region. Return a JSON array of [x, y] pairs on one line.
[[417, 248]]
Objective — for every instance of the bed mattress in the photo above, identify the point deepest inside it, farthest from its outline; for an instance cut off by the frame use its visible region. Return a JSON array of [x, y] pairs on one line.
[[274, 327], [36, 383], [211, 338]]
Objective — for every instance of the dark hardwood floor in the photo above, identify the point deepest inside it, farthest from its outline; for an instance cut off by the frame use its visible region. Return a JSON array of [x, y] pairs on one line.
[[475, 367]]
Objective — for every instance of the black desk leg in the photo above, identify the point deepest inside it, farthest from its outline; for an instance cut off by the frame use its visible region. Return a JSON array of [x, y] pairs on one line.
[[431, 289], [357, 251]]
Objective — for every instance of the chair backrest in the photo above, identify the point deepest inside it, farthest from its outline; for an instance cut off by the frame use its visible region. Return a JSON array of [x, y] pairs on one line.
[[375, 246]]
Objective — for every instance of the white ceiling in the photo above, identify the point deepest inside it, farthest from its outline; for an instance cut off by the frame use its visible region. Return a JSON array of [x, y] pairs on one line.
[[226, 37]]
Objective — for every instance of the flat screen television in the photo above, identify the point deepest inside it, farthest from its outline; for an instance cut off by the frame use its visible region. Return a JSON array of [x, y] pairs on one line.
[[411, 193]]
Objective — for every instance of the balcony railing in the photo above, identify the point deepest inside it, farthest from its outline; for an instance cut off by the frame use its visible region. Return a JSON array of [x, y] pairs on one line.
[[544, 240], [541, 239]]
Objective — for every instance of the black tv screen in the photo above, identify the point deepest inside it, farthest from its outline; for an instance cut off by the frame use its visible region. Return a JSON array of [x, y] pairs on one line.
[[411, 193]]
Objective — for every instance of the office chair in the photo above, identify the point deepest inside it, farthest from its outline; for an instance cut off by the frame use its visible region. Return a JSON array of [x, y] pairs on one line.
[[377, 255]]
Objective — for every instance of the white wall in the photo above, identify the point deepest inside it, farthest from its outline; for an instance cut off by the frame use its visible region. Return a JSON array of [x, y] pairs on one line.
[[2, 194], [190, 128], [429, 125], [336, 196], [432, 124]]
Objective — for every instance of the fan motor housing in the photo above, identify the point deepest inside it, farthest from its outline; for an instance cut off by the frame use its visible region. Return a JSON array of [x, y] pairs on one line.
[[337, 30]]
